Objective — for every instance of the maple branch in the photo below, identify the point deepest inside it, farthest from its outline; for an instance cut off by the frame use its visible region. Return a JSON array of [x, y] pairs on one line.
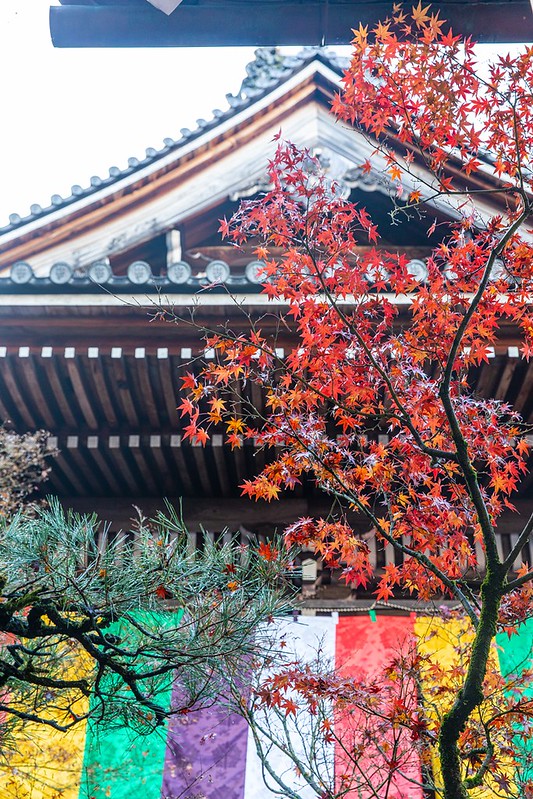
[[404, 414], [347, 495], [495, 253], [470, 476], [380, 146], [517, 150], [424, 560], [470, 695], [293, 755], [420, 557], [372, 790], [523, 538], [259, 731], [421, 153], [520, 581], [463, 457], [470, 593], [299, 378], [477, 779], [449, 193]]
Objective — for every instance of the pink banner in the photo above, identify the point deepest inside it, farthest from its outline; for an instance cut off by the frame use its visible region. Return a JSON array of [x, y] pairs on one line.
[[374, 758]]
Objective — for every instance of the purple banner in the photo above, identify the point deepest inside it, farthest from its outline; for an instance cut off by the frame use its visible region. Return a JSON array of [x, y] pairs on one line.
[[205, 756]]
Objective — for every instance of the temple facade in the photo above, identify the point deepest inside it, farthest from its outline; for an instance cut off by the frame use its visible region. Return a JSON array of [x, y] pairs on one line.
[[84, 355]]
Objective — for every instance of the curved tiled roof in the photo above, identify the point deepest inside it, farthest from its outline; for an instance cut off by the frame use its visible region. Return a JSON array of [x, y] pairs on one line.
[[269, 70]]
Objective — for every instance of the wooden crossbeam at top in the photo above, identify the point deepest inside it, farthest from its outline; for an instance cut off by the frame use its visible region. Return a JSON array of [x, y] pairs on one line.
[[212, 23]]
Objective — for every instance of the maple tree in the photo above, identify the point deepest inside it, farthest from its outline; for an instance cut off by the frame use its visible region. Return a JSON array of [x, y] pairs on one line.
[[377, 350]]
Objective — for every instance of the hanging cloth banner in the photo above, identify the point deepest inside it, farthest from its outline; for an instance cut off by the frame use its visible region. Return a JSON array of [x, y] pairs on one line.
[[515, 655], [118, 761], [167, 6], [211, 753], [444, 645], [363, 648]]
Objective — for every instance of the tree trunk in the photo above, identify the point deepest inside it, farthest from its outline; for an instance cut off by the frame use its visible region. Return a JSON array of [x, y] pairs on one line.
[[471, 694]]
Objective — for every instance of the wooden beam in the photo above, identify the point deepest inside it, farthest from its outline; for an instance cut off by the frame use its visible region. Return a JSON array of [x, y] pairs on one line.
[[92, 479], [148, 476], [205, 487], [31, 374], [143, 384], [164, 477], [120, 386], [488, 378], [172, 477], [505, 379], [95, 374], [182, 471], [57, 387], [219, 464], [120, 463], [525, 390], [77, 373], [97, 461], [5, 416], [15, 395], [76, 479], [214, 514], [167, 367], [245, 23]]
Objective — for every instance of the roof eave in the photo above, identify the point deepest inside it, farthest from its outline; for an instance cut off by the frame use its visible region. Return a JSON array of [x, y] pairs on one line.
[[49, 219]]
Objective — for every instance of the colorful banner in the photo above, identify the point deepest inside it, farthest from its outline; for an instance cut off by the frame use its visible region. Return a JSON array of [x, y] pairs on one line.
[[516, 654], [364, 646], [211, 753], [48, 763], [118, 761], [308, 639], [205, 755], [446, 645]]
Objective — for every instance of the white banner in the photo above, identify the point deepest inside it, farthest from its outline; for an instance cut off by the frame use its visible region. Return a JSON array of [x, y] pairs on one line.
[[168, 6]]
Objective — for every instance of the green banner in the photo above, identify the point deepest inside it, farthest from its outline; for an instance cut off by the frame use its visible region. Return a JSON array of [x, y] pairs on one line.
[[120, 763], [516, 654]]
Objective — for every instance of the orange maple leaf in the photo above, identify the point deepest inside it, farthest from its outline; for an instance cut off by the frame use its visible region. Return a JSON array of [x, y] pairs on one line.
[[267, 552], [419, 14]]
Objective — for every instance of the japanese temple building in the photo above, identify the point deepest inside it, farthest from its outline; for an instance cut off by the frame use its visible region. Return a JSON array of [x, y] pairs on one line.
[[83, 355], [81, 281]]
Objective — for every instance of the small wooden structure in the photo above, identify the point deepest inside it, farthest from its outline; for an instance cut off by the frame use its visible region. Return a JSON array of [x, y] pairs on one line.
[[211, 23]]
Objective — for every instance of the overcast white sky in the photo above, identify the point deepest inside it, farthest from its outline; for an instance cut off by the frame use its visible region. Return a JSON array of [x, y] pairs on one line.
[[70, 114]]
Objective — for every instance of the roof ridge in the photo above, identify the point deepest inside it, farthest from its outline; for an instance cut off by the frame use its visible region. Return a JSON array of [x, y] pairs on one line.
[[271, 65]]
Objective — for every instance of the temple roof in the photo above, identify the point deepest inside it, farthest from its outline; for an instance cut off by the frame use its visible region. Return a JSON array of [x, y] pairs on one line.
[[269, 70], [81, 281], [152, 227]]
